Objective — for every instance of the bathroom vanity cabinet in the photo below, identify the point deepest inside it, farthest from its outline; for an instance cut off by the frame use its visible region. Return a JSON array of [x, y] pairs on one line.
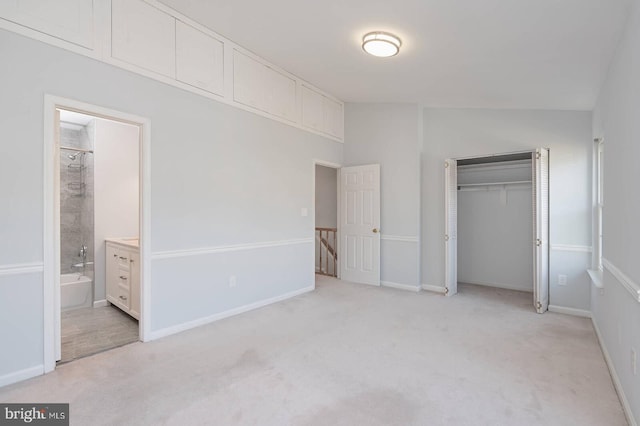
[[123, 275]]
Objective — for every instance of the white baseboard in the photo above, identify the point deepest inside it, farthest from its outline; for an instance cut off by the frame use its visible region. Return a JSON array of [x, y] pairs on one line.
[[570, 311], [157, 334], [406, 287], [527, 288], [433, 288], [21, 375], [614, 377], [100, 303]]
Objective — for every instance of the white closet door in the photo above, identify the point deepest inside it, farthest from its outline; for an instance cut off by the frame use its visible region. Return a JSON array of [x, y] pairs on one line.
[[540, 165], [360, 224], [451, 226]]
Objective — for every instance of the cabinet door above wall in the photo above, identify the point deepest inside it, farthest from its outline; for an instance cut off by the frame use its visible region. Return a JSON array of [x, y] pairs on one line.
[[333, 117], [321, 113], [263, 88], [312, 109], [199, 59], [70, 20], [144, 36]]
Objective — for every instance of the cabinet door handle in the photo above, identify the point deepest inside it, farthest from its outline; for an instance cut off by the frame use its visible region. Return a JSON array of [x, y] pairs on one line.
[[123, 297], [123, 258], [115, 255], [123, 277]]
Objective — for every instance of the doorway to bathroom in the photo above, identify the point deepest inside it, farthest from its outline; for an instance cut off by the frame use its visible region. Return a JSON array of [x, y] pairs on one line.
[[95, 254], [99, 208]]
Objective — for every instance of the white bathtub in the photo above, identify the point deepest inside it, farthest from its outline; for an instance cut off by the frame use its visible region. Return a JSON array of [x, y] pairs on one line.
[[75, 292]]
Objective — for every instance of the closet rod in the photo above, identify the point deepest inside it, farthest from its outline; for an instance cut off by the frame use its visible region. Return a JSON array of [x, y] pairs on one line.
[[69, 148], [515, 182]]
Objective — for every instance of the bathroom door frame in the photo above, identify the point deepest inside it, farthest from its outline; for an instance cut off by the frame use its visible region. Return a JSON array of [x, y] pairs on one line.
[[51, 225]]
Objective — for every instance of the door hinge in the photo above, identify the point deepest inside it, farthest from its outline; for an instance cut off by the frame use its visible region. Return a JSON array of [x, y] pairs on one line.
[[538, 155], [446, 291], [538, 242], [446, 164], [538, 305], [446, 238]]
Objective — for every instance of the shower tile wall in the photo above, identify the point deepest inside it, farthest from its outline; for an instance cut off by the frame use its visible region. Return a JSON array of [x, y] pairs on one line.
[[76, 199]]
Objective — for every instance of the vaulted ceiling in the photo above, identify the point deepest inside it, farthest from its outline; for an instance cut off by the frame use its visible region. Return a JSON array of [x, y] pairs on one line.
[[548, 54]]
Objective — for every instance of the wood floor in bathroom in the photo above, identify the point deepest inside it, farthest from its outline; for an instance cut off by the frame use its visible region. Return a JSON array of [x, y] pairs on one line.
[[88, 331]]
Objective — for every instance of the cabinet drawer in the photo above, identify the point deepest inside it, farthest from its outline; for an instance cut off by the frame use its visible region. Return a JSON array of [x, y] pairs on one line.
[[123, 259], [123, 279], [123, 296]]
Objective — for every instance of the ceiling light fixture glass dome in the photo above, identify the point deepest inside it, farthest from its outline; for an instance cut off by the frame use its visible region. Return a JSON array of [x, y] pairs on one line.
[[381, 44]]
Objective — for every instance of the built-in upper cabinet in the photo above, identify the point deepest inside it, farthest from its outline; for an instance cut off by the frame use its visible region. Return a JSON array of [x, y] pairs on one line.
[[149, 38], [261, 87], [333, 114], [70, 20], [144, 36], [321, 113], [199, 59], [312, 109]]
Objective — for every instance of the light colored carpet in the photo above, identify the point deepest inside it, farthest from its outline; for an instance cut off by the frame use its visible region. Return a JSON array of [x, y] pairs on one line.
[[349, 354], [88, 331]]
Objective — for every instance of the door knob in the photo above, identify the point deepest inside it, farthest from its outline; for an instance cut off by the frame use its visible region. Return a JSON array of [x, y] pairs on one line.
[[375, 230]]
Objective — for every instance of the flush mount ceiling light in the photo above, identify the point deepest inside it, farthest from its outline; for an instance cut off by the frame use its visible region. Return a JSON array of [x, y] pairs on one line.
[[381, 44]]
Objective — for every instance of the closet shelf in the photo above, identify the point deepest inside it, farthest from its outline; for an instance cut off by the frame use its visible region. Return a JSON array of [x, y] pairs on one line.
[[515, 182]]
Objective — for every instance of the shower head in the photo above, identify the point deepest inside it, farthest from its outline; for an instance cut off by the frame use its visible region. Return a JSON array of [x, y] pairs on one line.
[[73, 156]]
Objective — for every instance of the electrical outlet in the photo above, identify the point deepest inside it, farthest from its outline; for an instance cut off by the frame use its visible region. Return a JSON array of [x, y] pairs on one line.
[[633, 361], [232, 281], [562, 280]]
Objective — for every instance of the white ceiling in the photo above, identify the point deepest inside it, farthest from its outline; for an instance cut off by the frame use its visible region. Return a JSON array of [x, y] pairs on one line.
[[72, 117], [548, 54]]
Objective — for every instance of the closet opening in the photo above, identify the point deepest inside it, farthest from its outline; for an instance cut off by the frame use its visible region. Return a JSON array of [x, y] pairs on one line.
[[497, 224]]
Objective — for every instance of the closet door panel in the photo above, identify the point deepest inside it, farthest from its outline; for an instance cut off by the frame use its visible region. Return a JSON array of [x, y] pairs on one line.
[[540, 171], [199, 59], [451, 227], [144, 36], [69, 20]]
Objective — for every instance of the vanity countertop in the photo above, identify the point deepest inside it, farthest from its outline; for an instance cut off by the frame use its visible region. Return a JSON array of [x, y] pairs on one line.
[[129, 242]]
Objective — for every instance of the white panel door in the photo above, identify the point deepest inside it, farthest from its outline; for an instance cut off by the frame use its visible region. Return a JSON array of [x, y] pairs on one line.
[[540, 172], [451, 226], [312, 109], [199, 59], [360, 224], [144, 36], [69, 20]]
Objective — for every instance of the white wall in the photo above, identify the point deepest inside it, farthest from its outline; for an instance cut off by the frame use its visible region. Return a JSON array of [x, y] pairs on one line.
[[388, 134], [220, 176], [326, 197], [457, 133], [116, 190], [615, 313]]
